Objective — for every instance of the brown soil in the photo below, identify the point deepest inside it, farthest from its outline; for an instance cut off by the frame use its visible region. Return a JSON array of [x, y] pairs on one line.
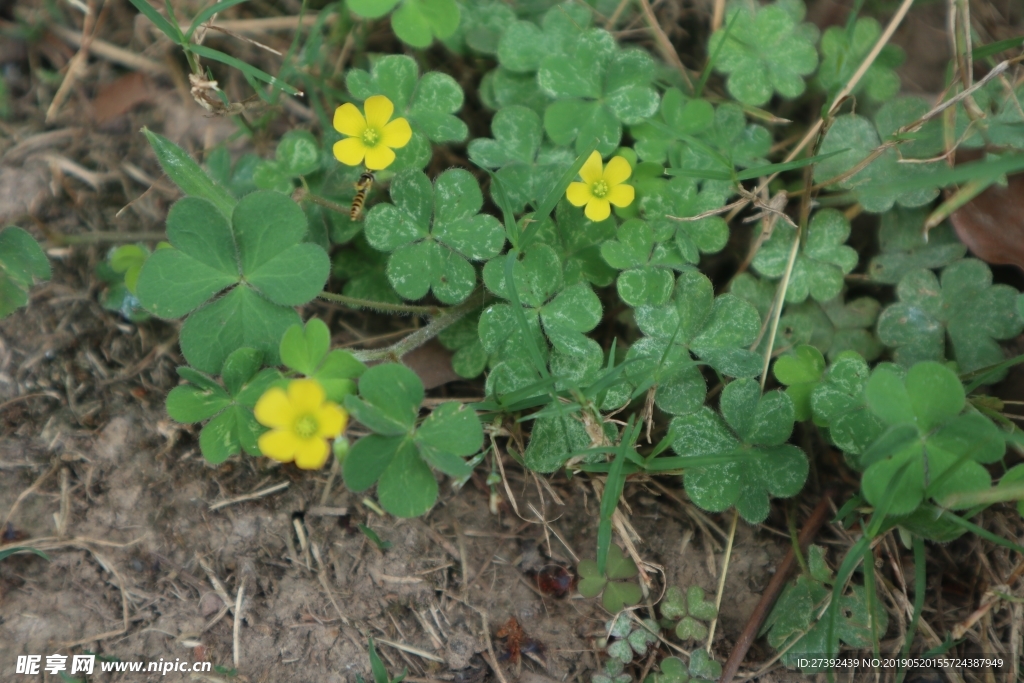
[[142, 555]]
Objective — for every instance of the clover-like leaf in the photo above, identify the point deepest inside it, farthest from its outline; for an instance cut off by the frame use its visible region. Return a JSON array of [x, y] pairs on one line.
[[526, 171], [697, 606], [433, 231], [524, 45], [905, 246], [764, 49], [749, 438], [364, 271], [428, 103], [703, 667], [415, 22], [621, 651], [398, 457], [838, 403], [930, 450], [22, 261], [801, 372], [673, 670], [644, 636], [729, 143], [716, 330], [646, 278], [678, 116], [859, 138], [577, 242], [598, 89], [482, 24], [795, 613], [232, 427], [617, 592], [963, 305], [843, 49], [260, 254], [821, 263], [681, 198]]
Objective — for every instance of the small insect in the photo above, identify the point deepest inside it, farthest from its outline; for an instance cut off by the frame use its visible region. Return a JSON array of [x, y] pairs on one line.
[[517, 643], [363, 186], [555, 580]]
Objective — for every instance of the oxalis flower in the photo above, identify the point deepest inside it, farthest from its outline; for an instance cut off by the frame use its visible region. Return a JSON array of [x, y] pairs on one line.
[[300, 422], [371, 137], [602, 186]]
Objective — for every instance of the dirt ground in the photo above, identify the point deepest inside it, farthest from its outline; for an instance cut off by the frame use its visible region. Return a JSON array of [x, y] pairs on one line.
[[260, 569]]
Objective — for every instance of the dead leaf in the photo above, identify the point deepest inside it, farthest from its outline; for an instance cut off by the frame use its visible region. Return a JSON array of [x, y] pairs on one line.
[[121, 96], [433, 363], [992, 224]]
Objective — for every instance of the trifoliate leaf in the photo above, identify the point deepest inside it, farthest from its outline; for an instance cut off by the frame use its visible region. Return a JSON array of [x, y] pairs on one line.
[[433, 232], [963, 304], [906, 247], [765, 50], [821, 263], [940, 451], [750, 442], [844, 49]]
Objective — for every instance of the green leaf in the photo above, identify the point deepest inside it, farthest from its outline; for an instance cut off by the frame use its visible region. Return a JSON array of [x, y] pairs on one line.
[[239, 368], [433, 255], [964, 305], [945, 450], [336, 374], [371, 9], [407, 487], [221, 436], [697, 606], [770, 468], [703, 666], [368, 459], [172, 284], [844, 49], [859, 138], [452, 427], [905, 245], [553, 441], [764, 51], [187, 174], [391, 396], [801, 372], [298, 153], [21, 261], [239, 318], [188, 403], [417, 22], [821, 263], [249, 70], [302, 349], [839, 403]]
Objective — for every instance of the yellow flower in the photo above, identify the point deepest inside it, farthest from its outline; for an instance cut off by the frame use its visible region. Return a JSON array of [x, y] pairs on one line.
[[300, 423], [601, 186], [371, 137]]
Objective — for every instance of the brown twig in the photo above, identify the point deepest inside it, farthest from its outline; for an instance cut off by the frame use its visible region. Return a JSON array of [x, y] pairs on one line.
[[771, 593]]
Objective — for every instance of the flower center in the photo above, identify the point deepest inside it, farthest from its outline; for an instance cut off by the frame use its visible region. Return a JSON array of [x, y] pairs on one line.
[[371, 136], [306, 426], [599, 189]]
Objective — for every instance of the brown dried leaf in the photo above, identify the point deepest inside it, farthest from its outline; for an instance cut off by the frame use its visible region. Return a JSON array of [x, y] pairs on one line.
[[992, 224]]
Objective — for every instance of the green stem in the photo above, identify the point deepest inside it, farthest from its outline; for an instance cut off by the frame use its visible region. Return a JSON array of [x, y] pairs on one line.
[[423, 335], [304, 195], [382, 306], [95, 237]]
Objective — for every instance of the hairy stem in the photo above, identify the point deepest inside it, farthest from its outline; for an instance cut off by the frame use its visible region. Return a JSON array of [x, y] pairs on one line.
[[424, 334], [382, 306]]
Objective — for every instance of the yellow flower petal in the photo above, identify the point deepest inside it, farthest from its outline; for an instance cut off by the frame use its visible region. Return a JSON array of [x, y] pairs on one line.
[[332, 421], [274, 410], [379, 157], [617, 171], [306, 395], [397, 134], [311, 454], [348, 120], [378, 111], [578, 193], [591, 170], [279, 444], [598, 209], [621, 195], [350, 151]]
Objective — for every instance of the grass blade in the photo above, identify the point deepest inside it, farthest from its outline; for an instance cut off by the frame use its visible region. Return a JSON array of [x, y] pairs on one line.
[[203, 16], [166, 27], [248, 69]]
